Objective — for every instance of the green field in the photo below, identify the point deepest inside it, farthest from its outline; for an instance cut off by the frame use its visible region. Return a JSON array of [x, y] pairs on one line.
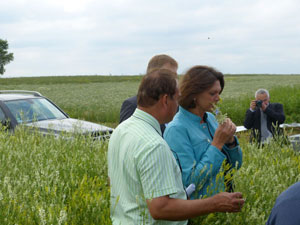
[[99, 98], [53, 181]]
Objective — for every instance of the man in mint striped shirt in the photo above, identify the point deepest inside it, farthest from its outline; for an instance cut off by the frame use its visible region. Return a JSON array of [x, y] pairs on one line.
[[146, 185]]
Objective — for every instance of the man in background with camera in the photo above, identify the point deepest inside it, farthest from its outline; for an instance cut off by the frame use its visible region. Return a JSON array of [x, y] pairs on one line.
[[263, 117]]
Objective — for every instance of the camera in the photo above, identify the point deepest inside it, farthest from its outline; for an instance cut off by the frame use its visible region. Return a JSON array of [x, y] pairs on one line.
[[258, 103]]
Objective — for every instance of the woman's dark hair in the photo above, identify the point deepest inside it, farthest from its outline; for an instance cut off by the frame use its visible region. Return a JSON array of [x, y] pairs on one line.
[[197, 80], [155, 84]]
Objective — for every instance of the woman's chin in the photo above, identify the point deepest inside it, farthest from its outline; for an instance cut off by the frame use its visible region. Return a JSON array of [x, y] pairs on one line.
[[210, 110]]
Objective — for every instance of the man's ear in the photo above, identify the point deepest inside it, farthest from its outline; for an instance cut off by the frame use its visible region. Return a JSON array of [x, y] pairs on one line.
[[164, 100]]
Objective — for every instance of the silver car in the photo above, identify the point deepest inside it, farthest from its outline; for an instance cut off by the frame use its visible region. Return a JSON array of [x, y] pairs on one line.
[[33, 110]]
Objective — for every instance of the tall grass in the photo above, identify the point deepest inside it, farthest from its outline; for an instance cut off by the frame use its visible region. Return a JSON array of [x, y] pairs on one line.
[[265, 173], [44, 180], [290, 98]]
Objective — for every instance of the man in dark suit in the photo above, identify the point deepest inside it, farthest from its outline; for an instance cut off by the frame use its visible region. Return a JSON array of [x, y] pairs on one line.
[[263, 117], [286, 208], [156, 62]]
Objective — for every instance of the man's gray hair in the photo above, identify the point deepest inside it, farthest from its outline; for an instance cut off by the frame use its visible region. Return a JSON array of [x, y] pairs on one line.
[[262, 91]]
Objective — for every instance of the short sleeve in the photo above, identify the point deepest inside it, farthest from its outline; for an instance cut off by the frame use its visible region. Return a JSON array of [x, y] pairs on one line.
[[157, 169]]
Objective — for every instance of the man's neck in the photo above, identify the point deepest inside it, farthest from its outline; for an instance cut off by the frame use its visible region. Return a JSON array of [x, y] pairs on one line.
[[153, 111]]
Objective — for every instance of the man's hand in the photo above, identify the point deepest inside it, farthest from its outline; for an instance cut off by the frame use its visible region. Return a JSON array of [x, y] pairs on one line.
[[229, 202], [253, 104], [264, 106], [224, 134]]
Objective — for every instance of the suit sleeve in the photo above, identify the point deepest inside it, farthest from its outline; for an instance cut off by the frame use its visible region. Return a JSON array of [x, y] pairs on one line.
[[127, 110], [235, 154], [276, 113], [249, 119]]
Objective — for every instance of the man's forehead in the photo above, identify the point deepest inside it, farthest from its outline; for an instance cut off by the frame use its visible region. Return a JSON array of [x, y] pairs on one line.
[[262, 96]]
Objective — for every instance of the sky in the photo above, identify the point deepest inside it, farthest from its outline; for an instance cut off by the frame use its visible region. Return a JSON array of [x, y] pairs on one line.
[[118, 37]]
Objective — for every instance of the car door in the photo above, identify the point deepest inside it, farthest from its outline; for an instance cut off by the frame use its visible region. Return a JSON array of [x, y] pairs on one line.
[[6, 117]]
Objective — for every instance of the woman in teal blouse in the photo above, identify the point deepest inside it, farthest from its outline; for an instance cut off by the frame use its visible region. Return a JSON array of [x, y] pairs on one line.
[[199, 144]]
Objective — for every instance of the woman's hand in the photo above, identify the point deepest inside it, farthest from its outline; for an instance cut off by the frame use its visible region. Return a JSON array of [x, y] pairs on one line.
[[224, 134]]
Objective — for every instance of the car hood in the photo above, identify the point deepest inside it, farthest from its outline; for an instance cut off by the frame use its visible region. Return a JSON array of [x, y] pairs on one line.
[[69, 125]]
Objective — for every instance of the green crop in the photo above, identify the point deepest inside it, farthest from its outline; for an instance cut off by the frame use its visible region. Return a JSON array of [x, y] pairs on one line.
[[47, 180], [44, 180], [265, 173]]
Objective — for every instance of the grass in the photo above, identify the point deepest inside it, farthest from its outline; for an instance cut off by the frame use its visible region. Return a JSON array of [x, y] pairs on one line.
[[99, 98], [265, 173], [69, 80], [52, 181], [56, 181], [44, 180]]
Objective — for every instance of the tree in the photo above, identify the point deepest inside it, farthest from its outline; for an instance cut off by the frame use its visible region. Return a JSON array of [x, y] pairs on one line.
[[5, 57]]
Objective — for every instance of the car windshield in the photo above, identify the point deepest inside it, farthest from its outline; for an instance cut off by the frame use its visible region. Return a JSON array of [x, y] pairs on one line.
[[35, 109]]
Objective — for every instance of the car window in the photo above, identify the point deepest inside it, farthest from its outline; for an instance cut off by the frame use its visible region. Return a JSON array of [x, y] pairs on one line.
[[2, 116], [35, 109]]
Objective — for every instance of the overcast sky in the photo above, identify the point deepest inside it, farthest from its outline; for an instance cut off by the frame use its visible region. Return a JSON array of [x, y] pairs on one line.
[[118, 37]]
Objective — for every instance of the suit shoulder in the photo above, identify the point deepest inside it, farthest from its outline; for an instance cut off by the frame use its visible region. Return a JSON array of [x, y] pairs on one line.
[[131, 100], [276, 105]]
